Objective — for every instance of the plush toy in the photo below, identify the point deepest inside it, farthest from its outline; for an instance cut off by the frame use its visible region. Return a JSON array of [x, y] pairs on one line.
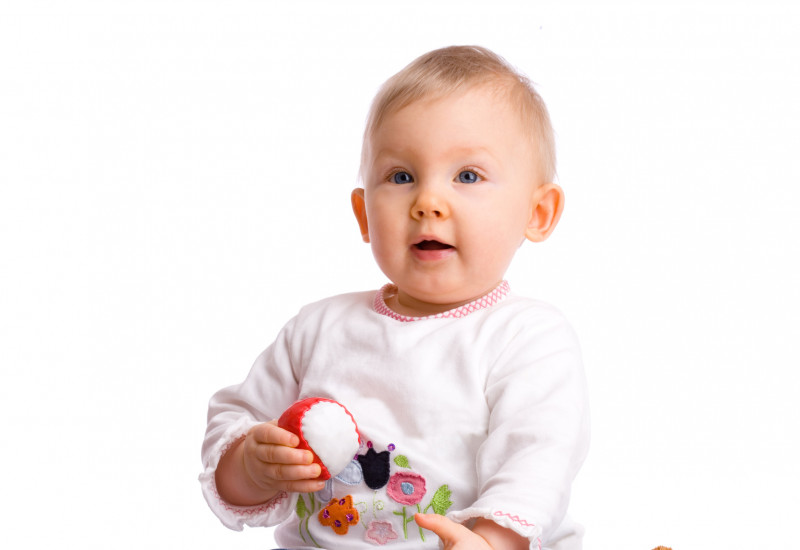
[[327, 429]]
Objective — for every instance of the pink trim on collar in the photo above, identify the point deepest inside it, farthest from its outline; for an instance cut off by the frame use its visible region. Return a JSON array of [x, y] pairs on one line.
[[502, 290]]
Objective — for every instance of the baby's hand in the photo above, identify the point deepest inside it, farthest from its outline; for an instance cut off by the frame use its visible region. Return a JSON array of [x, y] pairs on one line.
[[273, 464], [263, 464], [453, 535]]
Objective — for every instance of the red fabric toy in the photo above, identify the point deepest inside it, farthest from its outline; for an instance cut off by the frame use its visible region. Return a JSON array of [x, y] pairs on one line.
[[327, 429]]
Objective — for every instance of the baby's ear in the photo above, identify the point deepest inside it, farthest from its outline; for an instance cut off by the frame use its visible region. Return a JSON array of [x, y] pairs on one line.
[[360, 211], [546, 206]]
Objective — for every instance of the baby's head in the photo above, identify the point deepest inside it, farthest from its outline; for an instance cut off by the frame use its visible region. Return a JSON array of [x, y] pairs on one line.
[[452, 70], [457, 165]]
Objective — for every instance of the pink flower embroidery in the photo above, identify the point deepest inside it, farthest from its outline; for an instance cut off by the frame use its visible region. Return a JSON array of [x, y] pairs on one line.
[[381, 532], [406, 488]]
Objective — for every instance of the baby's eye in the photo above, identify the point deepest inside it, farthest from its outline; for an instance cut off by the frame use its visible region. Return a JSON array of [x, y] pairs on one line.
[[468, 176], [401, 177]]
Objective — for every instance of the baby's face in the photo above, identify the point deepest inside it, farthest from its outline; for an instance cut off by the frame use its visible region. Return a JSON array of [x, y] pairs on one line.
[[448, 189]]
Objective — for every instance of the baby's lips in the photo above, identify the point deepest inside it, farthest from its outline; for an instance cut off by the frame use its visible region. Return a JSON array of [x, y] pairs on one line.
[[327, 429], [432, 245], [428, 238]]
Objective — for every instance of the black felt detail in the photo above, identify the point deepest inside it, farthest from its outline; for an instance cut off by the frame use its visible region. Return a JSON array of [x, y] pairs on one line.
[[375, 467]]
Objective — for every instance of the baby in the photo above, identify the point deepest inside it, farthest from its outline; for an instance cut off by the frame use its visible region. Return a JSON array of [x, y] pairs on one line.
[[470, 400]]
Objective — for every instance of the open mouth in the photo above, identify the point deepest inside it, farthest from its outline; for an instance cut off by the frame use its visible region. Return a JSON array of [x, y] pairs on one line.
[[432, 245]]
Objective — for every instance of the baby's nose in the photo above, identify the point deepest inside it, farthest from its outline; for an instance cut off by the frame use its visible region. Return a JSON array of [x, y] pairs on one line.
[[430, 204]]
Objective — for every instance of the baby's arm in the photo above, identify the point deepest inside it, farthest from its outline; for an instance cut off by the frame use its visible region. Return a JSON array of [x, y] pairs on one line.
[[262, 464], [485, 535]]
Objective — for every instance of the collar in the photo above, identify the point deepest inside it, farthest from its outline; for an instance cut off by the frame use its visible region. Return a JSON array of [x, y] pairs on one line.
[[496, 295]]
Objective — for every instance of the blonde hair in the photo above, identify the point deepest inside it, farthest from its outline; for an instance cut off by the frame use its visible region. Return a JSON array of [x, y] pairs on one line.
[[456, 69]]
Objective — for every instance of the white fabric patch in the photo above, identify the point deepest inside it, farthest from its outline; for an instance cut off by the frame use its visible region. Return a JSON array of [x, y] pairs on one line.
[[331, 434]]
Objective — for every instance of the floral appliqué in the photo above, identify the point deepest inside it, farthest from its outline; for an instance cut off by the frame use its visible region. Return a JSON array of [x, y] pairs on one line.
[[381, 532], [402, 486], [375, 467], [408, 489], [339, 515]]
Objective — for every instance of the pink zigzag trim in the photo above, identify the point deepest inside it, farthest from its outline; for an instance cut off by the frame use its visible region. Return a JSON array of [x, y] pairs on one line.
[[253, 510], [502, 290], [517, 519]]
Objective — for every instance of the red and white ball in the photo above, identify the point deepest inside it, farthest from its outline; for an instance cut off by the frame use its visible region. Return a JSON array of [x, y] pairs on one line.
[[327, 429]]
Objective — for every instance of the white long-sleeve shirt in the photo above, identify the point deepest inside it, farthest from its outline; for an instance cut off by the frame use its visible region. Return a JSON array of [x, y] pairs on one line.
[[479, 412]]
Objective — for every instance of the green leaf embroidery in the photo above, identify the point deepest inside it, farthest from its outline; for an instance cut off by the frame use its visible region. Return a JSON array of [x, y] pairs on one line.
[[441, 500], [406, 521], [301, 507], [303, 512], [402, 461]]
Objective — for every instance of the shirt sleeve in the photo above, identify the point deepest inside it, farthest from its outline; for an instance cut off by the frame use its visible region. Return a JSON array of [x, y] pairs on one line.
[[538, 433], [270, 387]]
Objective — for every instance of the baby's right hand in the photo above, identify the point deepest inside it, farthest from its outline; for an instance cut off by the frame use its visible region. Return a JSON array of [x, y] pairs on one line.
[[264, 463], [273, 464]]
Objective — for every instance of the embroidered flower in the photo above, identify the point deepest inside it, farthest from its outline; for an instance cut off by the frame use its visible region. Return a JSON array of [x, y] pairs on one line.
[[375, 467], [381, 532], [339, 515], [406, 488]]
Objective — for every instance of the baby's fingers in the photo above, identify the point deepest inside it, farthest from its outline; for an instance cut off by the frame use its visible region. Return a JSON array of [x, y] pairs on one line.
[[270, 433], [291, 472], [446, 529], [304, 486], [452, 534], [279, 454], [273, 463], [286, 477]]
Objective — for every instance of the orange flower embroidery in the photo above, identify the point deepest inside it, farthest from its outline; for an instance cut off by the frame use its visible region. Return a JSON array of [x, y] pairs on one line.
[[339, 515]]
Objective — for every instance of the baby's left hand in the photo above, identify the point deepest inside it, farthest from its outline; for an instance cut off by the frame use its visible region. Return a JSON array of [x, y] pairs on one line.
[[454, 536]]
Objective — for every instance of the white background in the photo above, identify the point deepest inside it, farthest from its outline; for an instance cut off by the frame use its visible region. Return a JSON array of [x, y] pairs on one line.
[[175, 185]]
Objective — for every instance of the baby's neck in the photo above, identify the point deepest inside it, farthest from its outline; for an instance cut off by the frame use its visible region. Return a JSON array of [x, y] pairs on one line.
[[404, 304]]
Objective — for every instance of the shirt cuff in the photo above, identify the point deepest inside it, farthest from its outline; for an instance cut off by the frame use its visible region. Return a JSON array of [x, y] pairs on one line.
[[511, 521]]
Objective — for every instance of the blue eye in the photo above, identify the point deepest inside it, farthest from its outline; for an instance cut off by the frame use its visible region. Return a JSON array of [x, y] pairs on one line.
[[401, 177], [468, 176]]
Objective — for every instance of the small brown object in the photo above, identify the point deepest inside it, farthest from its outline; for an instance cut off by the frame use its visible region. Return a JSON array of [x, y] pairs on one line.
[[662, 548]]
